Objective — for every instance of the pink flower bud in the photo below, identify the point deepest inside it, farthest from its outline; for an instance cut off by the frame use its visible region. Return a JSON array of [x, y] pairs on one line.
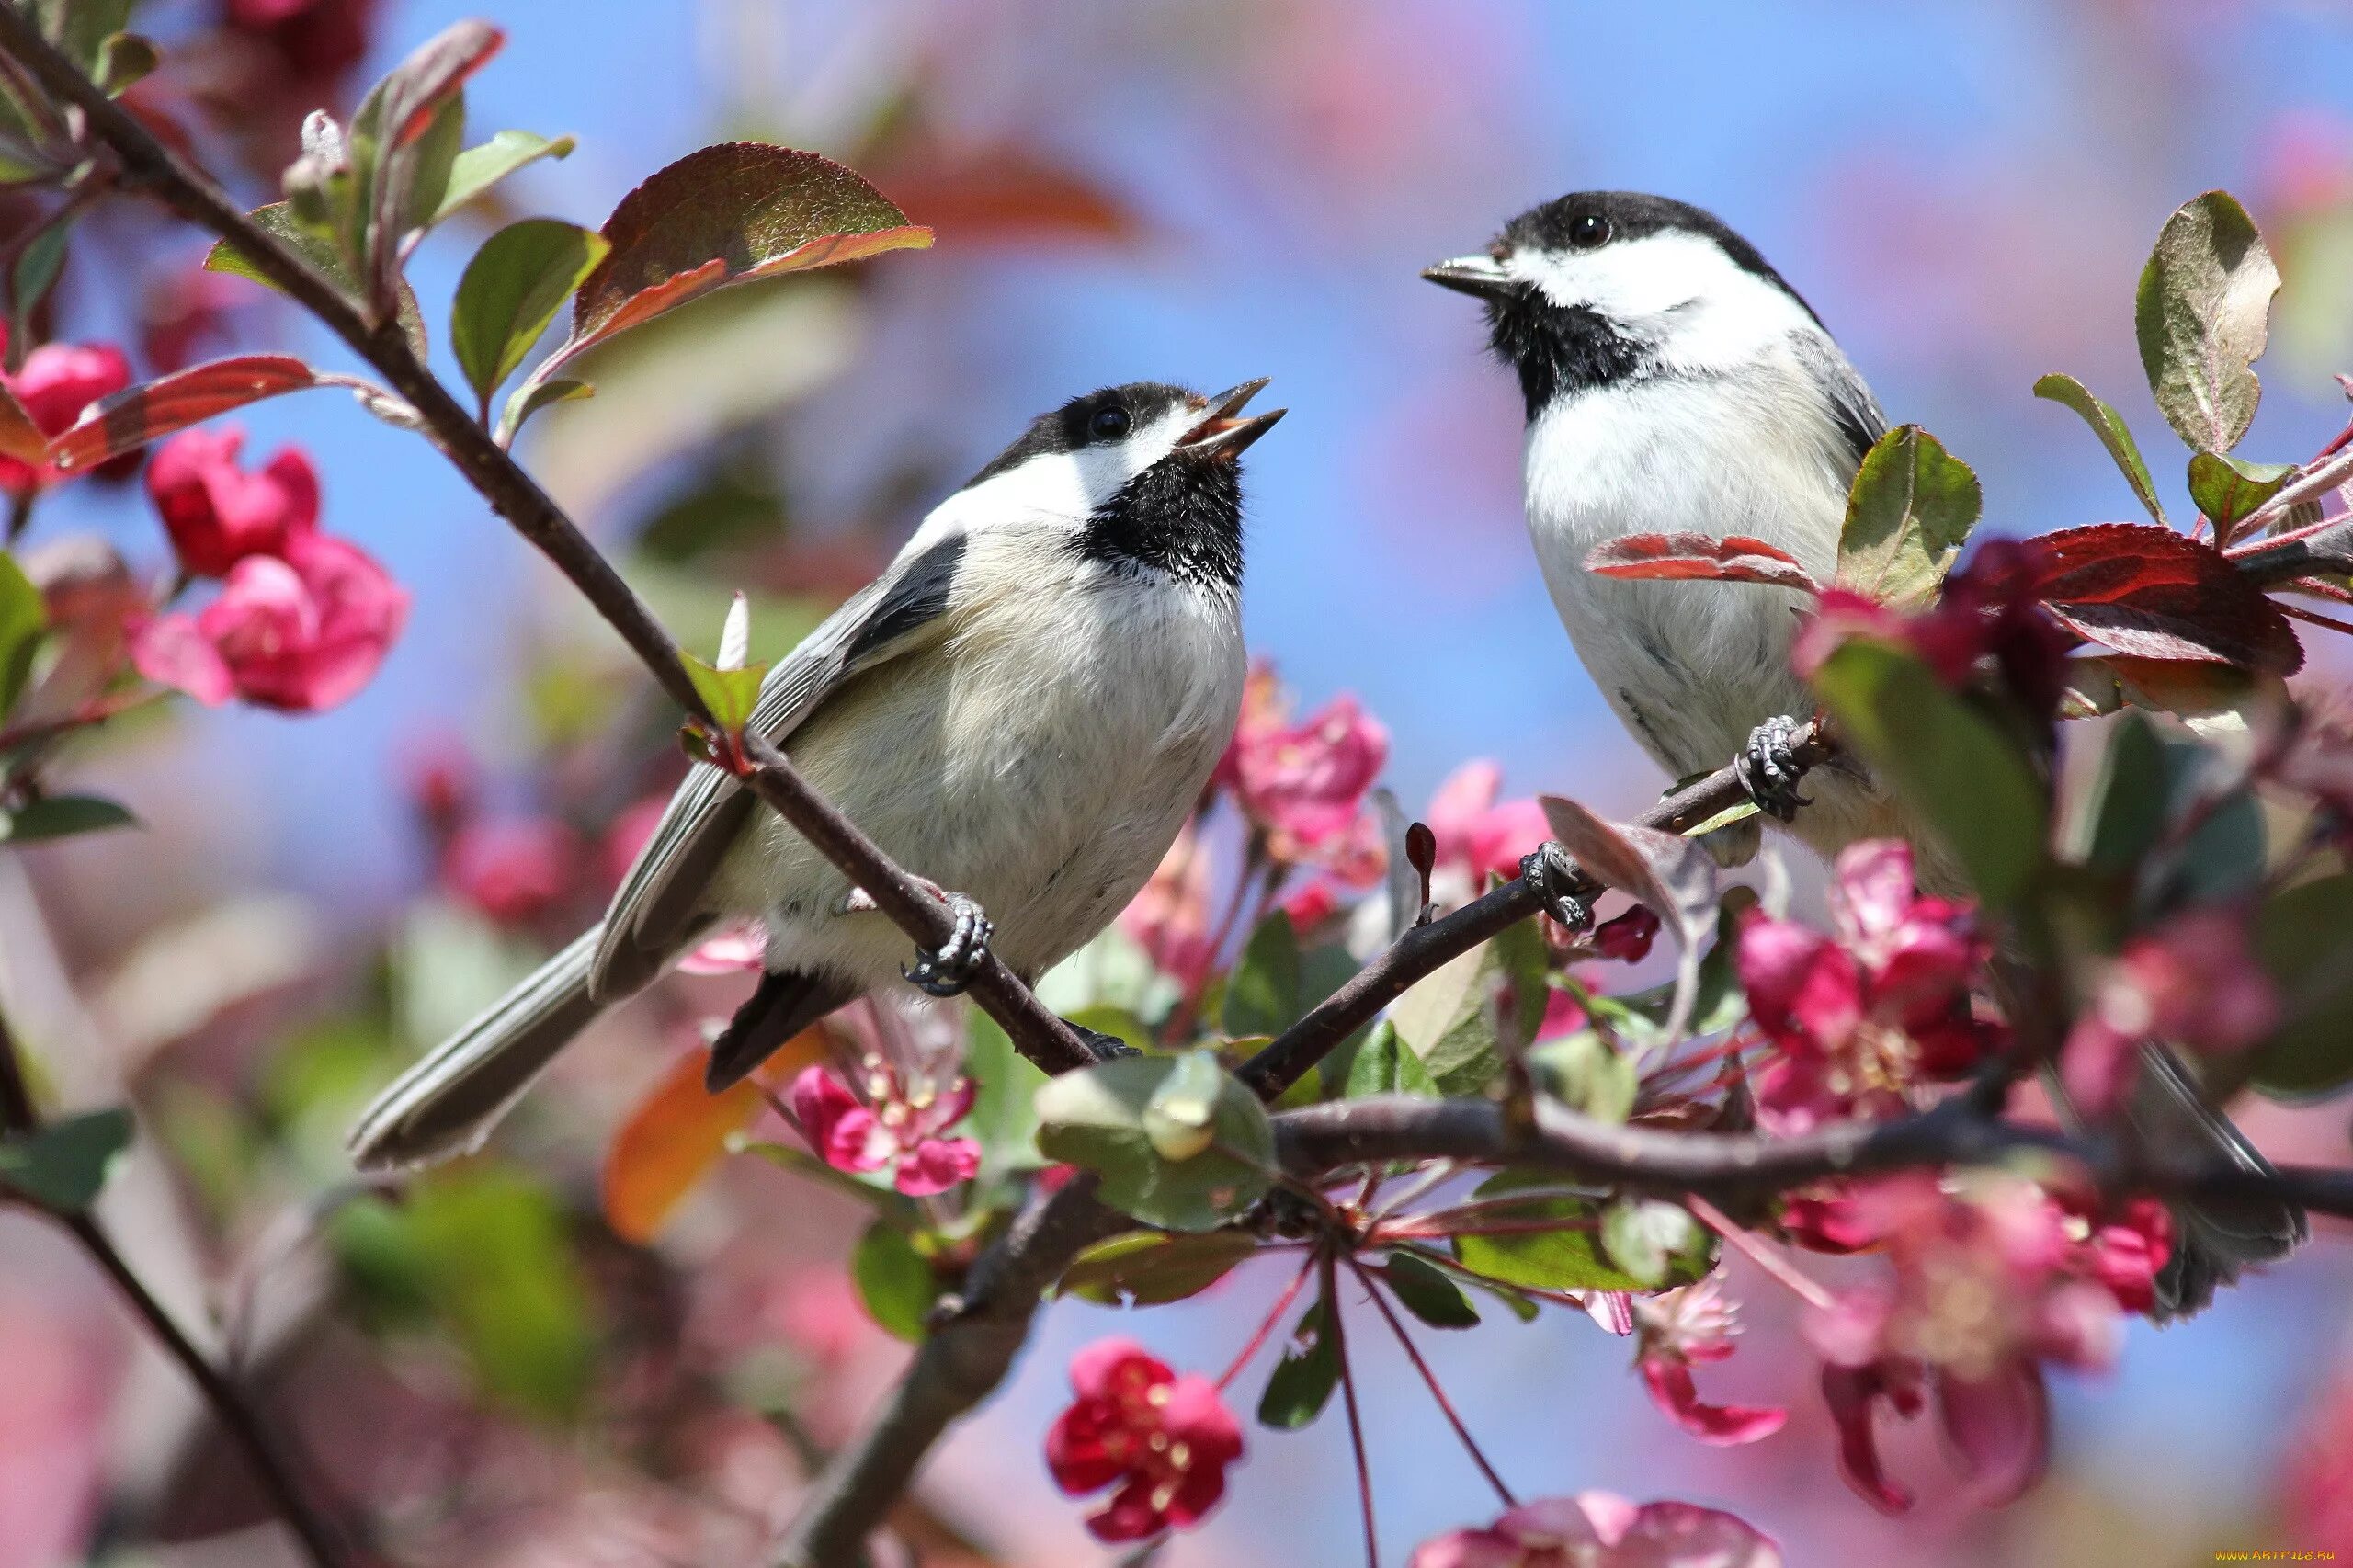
[[216, 512]]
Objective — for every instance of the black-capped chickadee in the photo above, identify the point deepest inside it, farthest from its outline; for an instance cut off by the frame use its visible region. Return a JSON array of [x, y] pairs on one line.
[[1673, 380], [1024, 709]]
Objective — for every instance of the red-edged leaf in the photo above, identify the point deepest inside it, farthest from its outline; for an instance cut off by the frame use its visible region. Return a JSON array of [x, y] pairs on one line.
[[1733, 559], [19, 438], [726, 215], [680, 1130], [1672, 876], [137, 415], [415, 90], [2154, 594]]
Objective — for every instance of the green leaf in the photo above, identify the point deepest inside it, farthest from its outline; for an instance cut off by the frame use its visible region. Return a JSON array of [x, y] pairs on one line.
[[1582, 1072], [81, 28], [23, 618], [2113, 434], [1095, 1118], [1384, 1064], [511, 290], [124, 60], [2227, 489], [531, 397], [2122, 812], [1452, 1016], [1656, 1243], [1302, 1381], [1955, 768], [65, 1166], [317, 248], [1180, 1118], [1565, 1259], [729, 694], [62, 817], [496, 1262], [1425, 1291], [1262, 994], [895, 1282], [1909, 510], [404, 139], [1150, 1268], [476, 169], [2201, 313], [36, 272], [1004, 1119], [1518, 1303], [2304, 937]]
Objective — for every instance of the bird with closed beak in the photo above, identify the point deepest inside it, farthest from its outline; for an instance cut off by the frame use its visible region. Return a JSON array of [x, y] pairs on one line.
[[1024, 709], [1674, 382]]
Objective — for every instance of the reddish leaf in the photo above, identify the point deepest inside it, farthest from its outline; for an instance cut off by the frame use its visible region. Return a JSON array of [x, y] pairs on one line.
[[2154, 594], [680, 1130], [133, 417], [19, 438], [1673, 877], [415, 89], [1735, 559], [726, 214]]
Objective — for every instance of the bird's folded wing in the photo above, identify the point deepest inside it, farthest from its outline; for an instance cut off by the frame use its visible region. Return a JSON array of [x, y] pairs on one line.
[[659, 908]]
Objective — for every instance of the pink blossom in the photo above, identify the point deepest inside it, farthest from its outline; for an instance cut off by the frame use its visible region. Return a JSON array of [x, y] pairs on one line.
[[217, 513], [1856, 1018], [511, 870], [1477, 835], [59, 381], [1596, 1529], [2193, 982], [2319, 1471], [301, 634], [629, 835], [1302, 785], [893, 1129], [1681, 1329], [1997, 1426], [1170, 918], [1989, 607], [1162, 1438]]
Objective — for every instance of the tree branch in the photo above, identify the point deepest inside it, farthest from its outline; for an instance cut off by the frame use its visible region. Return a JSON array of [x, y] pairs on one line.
[[270, 1467], [149, 166]]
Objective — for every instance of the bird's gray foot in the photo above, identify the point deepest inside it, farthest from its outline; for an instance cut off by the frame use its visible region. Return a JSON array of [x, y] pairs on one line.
[[945, 971], [1770, 769], [1549, 870]]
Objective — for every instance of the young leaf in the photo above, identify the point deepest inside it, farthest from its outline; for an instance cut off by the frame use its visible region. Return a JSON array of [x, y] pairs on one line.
[[1262, 995], [23, 618], [2227, 489], [1384, 1064], [1654, 1242], [2304, 937], [2113, 434], [2156, 594], [1095, 1118], [1672, 556], [2202, 314], [39, 263], [62, 817], [532, 396], [1302, 1381], [476, 169], [680, 1130], [1150, 1268], [1452, 1016], [1952, 766], [511, 290], [1425, 1291], [1003, 1116], [1580, 1070], [64, 1166], [894, 1282], [1569, 1259], [135, 416], [1911, 505], [124, 60]]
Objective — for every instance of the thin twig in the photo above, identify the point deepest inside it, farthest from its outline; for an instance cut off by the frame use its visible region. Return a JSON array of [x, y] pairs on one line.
[[1429, 1380], [1356, 1418]]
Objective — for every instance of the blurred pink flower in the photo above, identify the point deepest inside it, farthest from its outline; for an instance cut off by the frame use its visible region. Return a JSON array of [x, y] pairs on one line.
[[2319, 1471], [217, 513], [1628, 937], [53, 1437], [510, 870], [183, 312], [1302, 785], [1597, 1529], [58, 381], [1170, 918], [627, 837], [1162, 1439], [897, 1130], [2194, 982], [1681, 1329], [301, 634], [442, 779], [1857, 1017], [740, 949], [1476, 835]]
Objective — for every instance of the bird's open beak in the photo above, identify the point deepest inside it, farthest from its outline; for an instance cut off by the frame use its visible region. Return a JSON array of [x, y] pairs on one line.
[[1222, 432], [1481, 277]]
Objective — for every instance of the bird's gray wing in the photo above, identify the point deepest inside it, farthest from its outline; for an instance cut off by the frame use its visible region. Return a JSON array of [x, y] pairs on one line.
[[1859, 419], [659, 908]]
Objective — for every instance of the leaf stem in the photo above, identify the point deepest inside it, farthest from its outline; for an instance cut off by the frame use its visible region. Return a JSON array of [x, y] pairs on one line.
[[1267, 1328], [1356, 1417], [1429, 1380]]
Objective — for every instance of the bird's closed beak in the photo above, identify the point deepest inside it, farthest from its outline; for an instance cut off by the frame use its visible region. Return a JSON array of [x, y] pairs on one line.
[[1481, 277], [1222, 432]]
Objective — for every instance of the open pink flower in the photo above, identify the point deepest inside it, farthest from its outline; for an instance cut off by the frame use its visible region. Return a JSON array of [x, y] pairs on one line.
[[1681, 1329], [1303, 785], [1596, 1529], [1162, 1438], [301, 633], [1477, 835], [1859, 1017], [891, 1129], [2193, 982], [510, 870], [59, 381], [216, 512]]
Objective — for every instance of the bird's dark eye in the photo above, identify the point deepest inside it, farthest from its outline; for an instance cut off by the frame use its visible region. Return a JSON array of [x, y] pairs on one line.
[[1588, 230], [1108, 424]]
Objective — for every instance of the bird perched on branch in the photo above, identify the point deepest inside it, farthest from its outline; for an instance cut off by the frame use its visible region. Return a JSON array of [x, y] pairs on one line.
[[1673, 380], [1023, 708]]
